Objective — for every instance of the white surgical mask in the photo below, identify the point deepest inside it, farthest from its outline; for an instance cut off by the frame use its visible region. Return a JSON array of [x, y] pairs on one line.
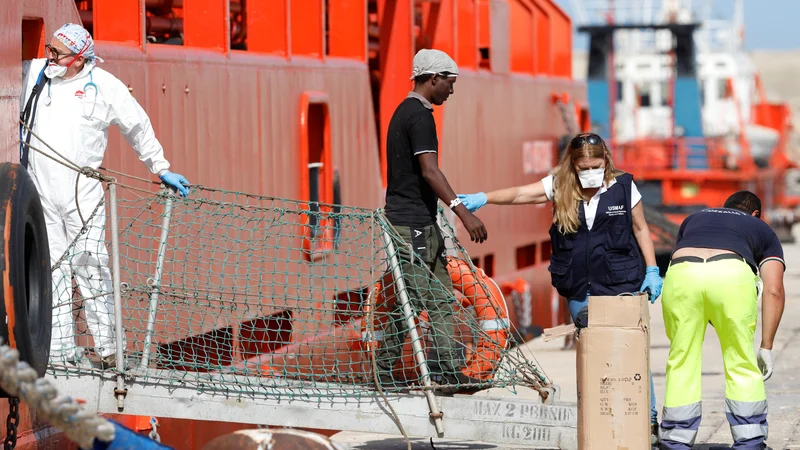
[[592, 178], [55, 71]]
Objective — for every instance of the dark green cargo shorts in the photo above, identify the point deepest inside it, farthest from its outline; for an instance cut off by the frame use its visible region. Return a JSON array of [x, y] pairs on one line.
[[431, 293], [428, 245]]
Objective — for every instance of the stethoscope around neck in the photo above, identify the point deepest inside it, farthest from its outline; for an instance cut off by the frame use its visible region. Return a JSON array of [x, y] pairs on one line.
[[90, 85]]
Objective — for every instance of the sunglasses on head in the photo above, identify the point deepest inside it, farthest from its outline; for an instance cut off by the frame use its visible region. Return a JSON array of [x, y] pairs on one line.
[[591, 138]]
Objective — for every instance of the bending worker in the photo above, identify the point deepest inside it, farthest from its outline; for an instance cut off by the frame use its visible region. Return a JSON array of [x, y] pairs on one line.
[[598, 224], [712, 277], [70, 103], [415, 185]]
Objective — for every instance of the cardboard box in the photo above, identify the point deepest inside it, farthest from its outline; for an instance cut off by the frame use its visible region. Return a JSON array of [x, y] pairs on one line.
[[613, 359]]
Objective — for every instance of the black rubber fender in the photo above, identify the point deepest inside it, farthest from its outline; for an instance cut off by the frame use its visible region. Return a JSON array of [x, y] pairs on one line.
[[26, 298]]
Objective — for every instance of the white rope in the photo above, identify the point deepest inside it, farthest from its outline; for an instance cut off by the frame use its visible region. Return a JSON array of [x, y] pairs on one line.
[[17, 378]]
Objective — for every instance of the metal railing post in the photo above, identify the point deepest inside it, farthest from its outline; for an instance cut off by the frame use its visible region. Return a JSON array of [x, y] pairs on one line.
[[120, 391], [156, 285], [419, 355]]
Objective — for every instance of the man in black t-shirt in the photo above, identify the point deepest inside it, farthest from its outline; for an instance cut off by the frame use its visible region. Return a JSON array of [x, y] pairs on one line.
[[415, 186], [712, 278]]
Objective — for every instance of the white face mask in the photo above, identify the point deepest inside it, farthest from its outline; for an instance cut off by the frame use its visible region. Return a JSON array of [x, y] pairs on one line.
[[592, 178], [55, 71]]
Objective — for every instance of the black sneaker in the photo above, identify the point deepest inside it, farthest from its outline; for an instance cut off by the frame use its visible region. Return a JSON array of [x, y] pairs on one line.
[[108, 362], [79, 362], [442, 384], [458, 383], [388, 383]]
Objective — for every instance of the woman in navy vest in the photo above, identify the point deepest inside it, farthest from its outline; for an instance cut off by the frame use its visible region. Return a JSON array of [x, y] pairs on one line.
[[599, 233]]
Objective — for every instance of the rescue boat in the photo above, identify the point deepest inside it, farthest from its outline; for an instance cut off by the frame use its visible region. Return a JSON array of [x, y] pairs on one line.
[[292, 99], [685, 111]]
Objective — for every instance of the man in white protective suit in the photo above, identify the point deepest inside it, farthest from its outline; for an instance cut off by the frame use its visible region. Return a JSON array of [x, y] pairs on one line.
[[70, 103]]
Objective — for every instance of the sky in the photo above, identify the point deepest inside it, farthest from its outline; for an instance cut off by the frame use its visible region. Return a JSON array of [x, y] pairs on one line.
[[769, 24]]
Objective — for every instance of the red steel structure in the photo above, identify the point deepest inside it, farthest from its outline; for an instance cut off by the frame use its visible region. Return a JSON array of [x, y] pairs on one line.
[[684, 189], [245, 94]]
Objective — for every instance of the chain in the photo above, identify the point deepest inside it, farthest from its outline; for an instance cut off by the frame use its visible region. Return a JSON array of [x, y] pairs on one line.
[[12, 421]]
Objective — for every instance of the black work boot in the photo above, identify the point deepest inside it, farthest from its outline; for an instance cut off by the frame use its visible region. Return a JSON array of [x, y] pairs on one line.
[[386, 380], [458, 383]]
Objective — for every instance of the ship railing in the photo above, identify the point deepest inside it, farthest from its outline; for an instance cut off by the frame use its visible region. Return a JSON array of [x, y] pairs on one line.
[[679, 155], [251, 295]]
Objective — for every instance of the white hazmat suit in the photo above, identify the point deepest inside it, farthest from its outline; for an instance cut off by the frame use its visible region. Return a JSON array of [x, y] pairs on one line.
[[74, 119]]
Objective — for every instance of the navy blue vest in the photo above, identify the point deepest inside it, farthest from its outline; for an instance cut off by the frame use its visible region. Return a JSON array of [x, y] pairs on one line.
[[605, 260]]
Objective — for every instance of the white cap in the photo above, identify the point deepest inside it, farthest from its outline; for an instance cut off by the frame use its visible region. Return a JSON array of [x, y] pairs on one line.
[[433, 62]]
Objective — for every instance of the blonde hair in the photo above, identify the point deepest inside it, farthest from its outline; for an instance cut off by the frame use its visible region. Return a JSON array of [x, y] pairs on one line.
[[567, 190]]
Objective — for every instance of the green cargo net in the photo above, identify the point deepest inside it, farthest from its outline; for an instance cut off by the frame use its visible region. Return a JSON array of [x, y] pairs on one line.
[[253, 295]]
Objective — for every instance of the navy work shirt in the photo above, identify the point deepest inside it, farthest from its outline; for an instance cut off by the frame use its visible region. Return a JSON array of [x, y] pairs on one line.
[[733, 230]]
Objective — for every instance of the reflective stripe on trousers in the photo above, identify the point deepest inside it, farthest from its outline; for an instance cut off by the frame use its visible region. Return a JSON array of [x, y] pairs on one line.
[[722, 292], [748, 421], [679, 426]]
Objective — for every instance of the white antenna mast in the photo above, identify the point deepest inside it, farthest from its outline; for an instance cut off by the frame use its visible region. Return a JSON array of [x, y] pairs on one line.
[[738, 25]]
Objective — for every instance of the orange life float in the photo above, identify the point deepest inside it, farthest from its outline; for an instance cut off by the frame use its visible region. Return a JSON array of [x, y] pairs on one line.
[[491, 314], [490, 310]]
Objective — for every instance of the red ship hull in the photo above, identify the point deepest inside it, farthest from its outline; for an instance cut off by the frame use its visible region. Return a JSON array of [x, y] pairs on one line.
[[238, 119]]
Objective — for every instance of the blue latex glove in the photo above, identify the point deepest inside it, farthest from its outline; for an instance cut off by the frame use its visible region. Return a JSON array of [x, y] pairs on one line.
[[473, 201], [653, 282], [176, 181]]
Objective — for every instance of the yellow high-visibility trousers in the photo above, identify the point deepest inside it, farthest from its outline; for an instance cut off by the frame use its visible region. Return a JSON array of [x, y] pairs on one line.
[[724, 293]]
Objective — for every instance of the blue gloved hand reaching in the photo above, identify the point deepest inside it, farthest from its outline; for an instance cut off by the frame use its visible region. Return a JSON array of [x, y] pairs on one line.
[[652, 282], [176, 181], [473, 201]]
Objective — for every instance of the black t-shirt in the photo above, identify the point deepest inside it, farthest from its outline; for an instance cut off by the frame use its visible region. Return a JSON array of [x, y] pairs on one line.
[[410, 200], [734, 230]]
